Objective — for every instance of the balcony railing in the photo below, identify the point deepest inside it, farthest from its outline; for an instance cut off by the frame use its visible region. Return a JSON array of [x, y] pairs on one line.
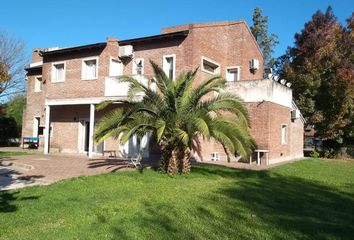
[[115, 88]]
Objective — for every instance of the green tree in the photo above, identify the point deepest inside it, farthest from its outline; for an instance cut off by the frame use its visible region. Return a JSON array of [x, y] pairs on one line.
[[14, 109], [266, 42], [177, 115], [320, 68]]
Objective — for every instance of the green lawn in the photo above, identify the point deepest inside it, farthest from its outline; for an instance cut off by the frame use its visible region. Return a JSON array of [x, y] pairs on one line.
[[10, 154], [311, 199]]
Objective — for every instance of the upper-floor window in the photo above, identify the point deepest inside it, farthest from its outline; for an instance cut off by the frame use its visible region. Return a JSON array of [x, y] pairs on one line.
[[284, 134], [138, 66], [210, 66], [38, 84], [89, 68], [169, 65], [115, 68], [232, 74], [58, 72]]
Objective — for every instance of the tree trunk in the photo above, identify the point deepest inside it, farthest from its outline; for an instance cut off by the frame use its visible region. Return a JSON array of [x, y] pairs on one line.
[[185, 163], [173, 162], [165, 158]]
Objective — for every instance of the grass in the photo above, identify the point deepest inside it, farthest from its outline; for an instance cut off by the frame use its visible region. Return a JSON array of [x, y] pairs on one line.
[[10, 154], [311, 199]]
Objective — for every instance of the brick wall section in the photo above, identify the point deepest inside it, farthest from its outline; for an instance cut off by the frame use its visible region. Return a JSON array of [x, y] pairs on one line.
[[74, 86], [266, 119], [227, 43]]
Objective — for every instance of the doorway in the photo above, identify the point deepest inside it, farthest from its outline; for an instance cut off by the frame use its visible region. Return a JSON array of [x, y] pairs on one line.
[[84, 138]]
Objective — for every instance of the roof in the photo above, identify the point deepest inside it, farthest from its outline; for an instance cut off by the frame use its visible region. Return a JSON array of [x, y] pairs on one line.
[[155, 37], [71, 49], [124, 42]]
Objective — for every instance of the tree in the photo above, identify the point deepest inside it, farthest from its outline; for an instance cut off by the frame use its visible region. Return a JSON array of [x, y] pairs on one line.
[[266, 42], [321, 69], [14, 109], [177, 115], [12, 63]]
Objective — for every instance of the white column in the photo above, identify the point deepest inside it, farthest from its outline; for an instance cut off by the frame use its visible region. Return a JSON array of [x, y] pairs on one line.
[[46, 129], [258, 159], [92, 125]]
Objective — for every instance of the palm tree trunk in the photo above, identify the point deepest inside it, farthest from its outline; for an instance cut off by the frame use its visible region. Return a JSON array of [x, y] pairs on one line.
[[165, 158], [185, 163], [173, 162]]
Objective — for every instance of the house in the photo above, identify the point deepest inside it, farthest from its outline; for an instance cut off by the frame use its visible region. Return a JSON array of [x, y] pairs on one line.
[[66, 84]]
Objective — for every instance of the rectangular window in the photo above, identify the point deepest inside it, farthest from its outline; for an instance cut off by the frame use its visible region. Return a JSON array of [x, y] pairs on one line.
[[58, 72], [89, 69], [284, 134], [138, 66], [115, 68], [38, 84], [232, 74], [169, 66], [210, 66]]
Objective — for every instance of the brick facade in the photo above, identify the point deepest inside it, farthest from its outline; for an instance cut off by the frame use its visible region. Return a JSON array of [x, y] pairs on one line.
[[229, 44]]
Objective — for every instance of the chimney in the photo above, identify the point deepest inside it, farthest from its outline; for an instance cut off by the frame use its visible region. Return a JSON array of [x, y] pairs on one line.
[[36, 57], [112, 40]]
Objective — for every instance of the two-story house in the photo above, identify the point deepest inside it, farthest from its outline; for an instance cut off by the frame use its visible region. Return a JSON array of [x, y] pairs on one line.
[[66, 84]]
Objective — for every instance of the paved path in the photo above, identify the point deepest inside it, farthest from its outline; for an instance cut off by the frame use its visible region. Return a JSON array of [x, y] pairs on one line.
[[19, 171]]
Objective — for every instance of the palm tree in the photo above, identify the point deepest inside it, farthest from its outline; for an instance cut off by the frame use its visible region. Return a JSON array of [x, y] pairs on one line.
[[177, 115]]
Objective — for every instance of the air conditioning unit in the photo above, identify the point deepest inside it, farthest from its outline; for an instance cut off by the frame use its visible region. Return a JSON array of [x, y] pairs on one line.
[[126, 51], [215, 156], [254, 64], [295, 114]]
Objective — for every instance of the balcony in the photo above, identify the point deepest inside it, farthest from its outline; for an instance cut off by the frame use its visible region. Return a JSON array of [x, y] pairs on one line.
[[261, 90], [114, 88]]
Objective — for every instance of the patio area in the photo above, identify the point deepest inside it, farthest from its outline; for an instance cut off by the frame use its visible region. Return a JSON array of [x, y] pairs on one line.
[[37, 168]]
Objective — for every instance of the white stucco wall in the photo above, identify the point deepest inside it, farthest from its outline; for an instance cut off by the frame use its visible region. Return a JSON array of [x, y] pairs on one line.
[[262, 90]]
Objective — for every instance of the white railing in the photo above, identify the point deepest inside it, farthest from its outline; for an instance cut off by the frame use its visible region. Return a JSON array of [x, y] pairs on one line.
[[115, 88]]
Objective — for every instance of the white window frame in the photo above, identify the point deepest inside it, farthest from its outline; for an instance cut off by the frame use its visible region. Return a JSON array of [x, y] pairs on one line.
[[134, 71], [110, 66], [284, 140], [54, 80], [38, 83], [164, 64], [211, 61], [83, 68], [238, 72]]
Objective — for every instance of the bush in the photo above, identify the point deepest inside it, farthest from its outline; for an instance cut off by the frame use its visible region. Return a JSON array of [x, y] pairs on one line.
[[8, 130], [315, 154]]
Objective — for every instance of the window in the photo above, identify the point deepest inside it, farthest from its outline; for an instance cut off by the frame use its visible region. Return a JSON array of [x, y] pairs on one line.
[[169, 65], [233, 74], [89, 69], [115, 68], [210, 66], [58, 72], [284, 134], [38, 84], [138, 66]]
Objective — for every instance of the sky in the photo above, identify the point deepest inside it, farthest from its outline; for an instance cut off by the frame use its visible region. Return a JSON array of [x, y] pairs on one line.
[[48, 23]]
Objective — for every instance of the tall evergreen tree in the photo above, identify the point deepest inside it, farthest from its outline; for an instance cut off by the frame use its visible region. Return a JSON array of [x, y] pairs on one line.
[[321, 69], [266, 42]]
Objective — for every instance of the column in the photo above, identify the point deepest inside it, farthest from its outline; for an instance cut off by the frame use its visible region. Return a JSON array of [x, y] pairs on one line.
[[92, 125], [46, 129]]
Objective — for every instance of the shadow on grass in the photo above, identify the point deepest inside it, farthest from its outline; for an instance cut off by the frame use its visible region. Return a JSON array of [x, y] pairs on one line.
[[7, 199], [250, 205]]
